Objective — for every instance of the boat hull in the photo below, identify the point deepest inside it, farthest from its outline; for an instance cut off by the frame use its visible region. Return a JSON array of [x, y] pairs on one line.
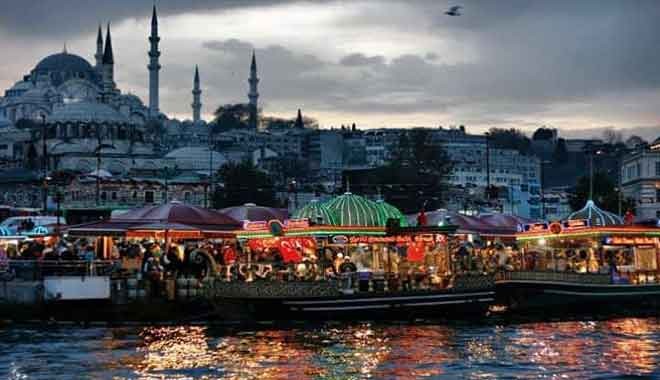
[[321, 302], [554, 293]]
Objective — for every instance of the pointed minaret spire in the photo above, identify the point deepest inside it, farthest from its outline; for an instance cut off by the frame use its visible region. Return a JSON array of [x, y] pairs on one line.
[[299, 120], [64, 50], [108, 57], [197, 92], [253, 95], [99, 50], [154, 65], [108, 69]]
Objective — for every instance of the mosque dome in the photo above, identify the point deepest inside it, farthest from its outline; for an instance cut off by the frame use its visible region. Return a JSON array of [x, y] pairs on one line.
[[87, 112], [354, 210], [64, 62], [596, 216], [387, 211], [63, 66], [317, 212]]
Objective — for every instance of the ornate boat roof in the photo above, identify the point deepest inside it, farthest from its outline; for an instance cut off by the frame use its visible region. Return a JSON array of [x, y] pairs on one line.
[[317, 212], [596, 216]]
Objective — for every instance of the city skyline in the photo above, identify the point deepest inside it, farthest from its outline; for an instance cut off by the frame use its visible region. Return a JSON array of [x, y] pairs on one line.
[[575, 67]]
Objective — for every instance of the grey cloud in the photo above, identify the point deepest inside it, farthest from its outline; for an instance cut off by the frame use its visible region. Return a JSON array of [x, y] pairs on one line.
[[359, 59], [62, 18], [531, 58]]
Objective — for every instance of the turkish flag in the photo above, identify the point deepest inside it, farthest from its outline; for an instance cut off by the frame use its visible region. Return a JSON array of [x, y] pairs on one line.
[[629, 217], [421, 218], [255, 245], [289, 252], [228, 254], [416, 252]]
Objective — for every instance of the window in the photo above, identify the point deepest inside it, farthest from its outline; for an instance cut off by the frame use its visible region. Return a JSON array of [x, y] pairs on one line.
[[148, 197], [657, 195], [657, 168], [113, 195]]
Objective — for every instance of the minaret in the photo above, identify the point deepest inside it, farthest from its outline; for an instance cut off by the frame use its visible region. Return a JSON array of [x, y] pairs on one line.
[[99, 51], [154, 66], [197, 92], [299, 120], [108, 68], [253, 95]]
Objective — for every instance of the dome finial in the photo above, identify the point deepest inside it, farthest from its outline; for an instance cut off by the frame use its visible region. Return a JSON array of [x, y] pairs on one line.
[[348, 185]]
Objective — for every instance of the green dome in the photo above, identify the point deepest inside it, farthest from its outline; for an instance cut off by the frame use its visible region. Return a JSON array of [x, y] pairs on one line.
[[316, 210], [354, 210], [387, 211]]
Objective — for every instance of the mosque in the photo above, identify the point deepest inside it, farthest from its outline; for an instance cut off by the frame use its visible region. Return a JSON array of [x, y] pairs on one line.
[[85, 116]]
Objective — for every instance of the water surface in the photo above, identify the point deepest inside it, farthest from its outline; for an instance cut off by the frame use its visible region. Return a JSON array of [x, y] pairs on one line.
[[618, 348]]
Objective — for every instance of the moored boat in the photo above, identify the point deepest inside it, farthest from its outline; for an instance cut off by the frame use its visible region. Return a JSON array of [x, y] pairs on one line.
[[583, 264], [360, 261]]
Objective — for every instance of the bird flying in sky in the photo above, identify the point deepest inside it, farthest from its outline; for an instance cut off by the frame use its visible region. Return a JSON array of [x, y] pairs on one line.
[[454, 11]]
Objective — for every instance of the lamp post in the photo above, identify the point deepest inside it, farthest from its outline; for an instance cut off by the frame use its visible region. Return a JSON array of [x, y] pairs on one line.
[[591, 172], [44, 163]]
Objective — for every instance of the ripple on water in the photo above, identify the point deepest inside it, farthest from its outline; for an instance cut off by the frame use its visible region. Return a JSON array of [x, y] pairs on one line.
[[548, 350]]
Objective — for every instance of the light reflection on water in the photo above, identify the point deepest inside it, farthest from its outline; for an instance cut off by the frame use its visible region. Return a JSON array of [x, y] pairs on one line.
[[566, 350]]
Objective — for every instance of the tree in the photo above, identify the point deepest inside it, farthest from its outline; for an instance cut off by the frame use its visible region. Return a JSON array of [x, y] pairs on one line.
[[272, 122], [243, 183], [509, 139], [231, 116], [417, 174], [605, 194], [544, 134]]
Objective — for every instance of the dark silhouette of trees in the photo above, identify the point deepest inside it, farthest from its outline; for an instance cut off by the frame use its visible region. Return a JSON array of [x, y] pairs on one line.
[[509, 139], [243, 183], [416, 176], [605, 194], [231, 116], [543, 134]]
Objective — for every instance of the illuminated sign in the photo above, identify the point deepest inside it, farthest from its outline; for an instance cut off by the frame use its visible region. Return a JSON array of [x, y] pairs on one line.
[[398, 239], [296, 223], [577, 223], [261, 225], [624, 240], [255, 226]]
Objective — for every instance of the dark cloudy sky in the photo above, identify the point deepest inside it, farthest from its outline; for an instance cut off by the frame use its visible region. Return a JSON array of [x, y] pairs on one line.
[[574, 65]]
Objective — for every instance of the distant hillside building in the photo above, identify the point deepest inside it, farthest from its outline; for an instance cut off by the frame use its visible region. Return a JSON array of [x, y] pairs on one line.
[[640, 180]]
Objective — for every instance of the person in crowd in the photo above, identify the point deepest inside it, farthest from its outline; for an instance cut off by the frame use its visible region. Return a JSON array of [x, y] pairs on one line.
[[562, 262], [339, 260], [88, 256], [154, 272], [172, 260], [347, 266], [199, 264]]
